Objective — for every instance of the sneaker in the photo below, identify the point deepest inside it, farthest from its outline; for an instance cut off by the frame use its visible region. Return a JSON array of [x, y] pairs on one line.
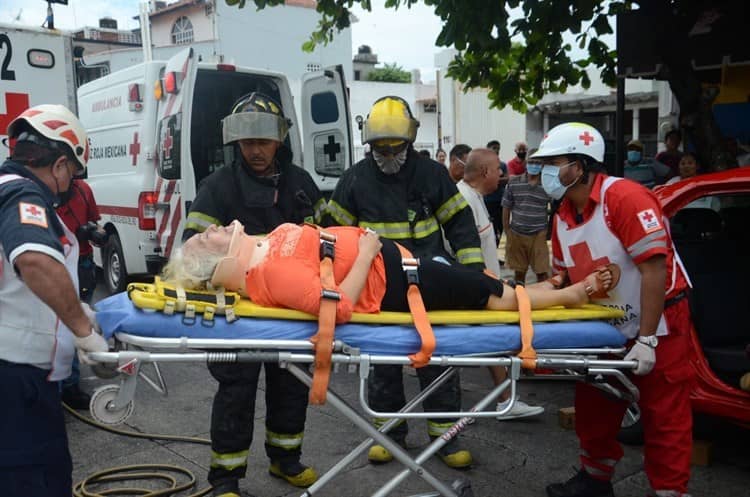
[[293, 472], [581, 485], [75, 398], [454, 456], [519, 410]]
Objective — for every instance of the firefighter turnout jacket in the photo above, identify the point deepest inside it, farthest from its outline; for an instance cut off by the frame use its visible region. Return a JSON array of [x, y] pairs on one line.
[[409, 207], [260, 204]]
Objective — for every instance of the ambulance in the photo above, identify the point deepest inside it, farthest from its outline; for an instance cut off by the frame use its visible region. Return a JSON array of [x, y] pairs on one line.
[[36, 67], [155, 133]]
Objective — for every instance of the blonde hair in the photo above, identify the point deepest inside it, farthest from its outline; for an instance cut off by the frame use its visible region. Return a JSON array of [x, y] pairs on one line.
[[192, 269]]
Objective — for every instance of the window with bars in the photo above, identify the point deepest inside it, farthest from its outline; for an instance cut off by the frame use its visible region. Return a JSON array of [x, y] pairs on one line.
[[182, 31]]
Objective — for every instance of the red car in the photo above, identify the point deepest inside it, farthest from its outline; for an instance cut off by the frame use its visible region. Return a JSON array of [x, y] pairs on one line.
[[710, 224]]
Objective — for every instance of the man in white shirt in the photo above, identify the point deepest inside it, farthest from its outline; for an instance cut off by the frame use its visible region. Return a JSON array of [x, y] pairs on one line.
[[481, 175]]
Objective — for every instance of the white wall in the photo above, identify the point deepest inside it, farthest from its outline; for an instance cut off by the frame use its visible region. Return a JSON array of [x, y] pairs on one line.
[[161, 25], [272, 39], [467, 117]]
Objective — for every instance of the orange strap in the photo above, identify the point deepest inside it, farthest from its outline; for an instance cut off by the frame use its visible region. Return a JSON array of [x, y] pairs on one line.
[[323, 340], [527, 354], [418, 314]]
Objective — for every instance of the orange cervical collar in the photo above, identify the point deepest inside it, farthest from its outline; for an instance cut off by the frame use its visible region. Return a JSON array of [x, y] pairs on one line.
[[230, 271]]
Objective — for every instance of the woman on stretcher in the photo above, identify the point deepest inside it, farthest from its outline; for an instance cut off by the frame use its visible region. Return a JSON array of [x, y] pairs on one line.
[[282, 269]]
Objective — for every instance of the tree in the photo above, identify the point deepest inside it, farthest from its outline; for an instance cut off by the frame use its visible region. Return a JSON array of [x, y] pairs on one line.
[[391, 73], [520, 61]]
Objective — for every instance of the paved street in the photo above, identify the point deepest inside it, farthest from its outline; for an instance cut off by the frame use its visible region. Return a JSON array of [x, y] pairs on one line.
[[512, 458]]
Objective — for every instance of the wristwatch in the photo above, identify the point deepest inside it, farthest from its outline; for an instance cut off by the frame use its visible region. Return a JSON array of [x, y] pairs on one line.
[[650, 340]]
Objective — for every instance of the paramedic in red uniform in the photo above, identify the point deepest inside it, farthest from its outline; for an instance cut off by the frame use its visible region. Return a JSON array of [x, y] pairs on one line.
[[41, 318], [605, 220]]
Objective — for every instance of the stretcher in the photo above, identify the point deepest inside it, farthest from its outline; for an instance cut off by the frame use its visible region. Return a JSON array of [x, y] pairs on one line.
[[584, 350]]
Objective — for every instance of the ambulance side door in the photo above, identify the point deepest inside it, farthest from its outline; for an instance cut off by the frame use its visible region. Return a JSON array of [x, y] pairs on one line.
[[326, 126], [173, 147]]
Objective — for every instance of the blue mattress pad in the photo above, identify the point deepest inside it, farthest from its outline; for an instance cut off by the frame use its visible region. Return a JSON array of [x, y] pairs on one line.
[[117, 314]]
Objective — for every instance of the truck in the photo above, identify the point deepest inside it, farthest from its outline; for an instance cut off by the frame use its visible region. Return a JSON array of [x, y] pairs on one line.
[[155, 133], [36, 67]]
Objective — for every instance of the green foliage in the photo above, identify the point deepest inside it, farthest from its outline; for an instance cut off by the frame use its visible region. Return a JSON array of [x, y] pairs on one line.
[[390, 73], [517, 61]]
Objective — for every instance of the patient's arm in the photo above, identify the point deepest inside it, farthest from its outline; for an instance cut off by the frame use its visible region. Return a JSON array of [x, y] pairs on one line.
[[354, 282]]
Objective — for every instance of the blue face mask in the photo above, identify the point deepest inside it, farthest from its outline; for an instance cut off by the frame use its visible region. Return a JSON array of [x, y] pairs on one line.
[[634, 156], [533, 169], [551, 181]]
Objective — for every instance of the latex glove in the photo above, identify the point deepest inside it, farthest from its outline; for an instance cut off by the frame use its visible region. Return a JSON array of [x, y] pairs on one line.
[[91, 314], [645, 355], [93, 342]]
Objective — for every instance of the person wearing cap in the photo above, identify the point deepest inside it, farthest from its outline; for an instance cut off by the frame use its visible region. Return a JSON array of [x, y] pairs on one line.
[[644, 170], [617, 222], [408, 199], [42, 321], [262, 189]]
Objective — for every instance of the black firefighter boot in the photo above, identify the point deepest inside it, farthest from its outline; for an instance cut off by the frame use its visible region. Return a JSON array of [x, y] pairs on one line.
[[581, 485]]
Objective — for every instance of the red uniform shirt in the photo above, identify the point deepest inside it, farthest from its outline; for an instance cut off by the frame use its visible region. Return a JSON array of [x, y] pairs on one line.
[[630, 211], [80, 209]]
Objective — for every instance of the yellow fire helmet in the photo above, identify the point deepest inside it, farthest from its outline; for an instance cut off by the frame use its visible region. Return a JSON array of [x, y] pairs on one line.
[[390, 119]]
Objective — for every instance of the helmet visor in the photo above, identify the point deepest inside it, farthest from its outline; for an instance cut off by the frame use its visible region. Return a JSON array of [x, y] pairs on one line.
[[254, 125]]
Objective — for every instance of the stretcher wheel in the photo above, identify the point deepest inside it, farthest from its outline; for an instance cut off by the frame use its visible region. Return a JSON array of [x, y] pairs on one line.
[[101, 406]]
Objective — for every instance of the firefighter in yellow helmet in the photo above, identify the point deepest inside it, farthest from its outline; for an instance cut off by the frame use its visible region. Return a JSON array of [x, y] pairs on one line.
[[412, 200]]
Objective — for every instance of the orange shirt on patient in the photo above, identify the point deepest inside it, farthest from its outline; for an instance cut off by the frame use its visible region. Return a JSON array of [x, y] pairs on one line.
[[289, 275]]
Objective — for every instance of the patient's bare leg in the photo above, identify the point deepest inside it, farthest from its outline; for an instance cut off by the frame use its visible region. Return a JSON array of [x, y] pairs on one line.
[[542, 297]]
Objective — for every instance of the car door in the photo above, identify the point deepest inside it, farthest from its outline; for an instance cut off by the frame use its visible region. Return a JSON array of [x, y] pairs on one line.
[[173, 146], [326, 126]]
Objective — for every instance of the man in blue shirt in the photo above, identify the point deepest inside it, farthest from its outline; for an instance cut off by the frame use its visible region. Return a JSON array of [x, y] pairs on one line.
[[41, 319]]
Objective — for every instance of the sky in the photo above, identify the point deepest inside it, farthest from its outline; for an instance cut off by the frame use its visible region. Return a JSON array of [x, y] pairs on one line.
[[392, 36]]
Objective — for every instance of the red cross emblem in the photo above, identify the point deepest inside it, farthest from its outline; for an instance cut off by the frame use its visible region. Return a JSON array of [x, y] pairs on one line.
[[135, 148], [584, 264], [166, 145], [34, 211], [647, 216], [15, 103], [586, 138]]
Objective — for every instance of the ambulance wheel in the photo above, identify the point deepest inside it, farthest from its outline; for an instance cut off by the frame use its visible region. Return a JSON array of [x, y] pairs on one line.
[[101, 406], [113, 262]]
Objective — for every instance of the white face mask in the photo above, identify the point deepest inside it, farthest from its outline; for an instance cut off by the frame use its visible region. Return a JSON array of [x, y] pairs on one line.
[[390, 164], [551, 181]]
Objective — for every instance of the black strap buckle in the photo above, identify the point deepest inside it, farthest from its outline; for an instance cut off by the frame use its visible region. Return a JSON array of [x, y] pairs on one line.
[[410, 266], [327, 245], [330, 295]]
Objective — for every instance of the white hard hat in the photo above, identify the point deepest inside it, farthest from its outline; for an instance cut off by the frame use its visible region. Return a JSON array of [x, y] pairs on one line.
[[572, 138], [58, 124]]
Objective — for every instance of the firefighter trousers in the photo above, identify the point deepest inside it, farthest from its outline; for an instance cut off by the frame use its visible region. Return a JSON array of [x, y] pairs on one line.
[[665, 413], [385, 392], [234, 410]]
